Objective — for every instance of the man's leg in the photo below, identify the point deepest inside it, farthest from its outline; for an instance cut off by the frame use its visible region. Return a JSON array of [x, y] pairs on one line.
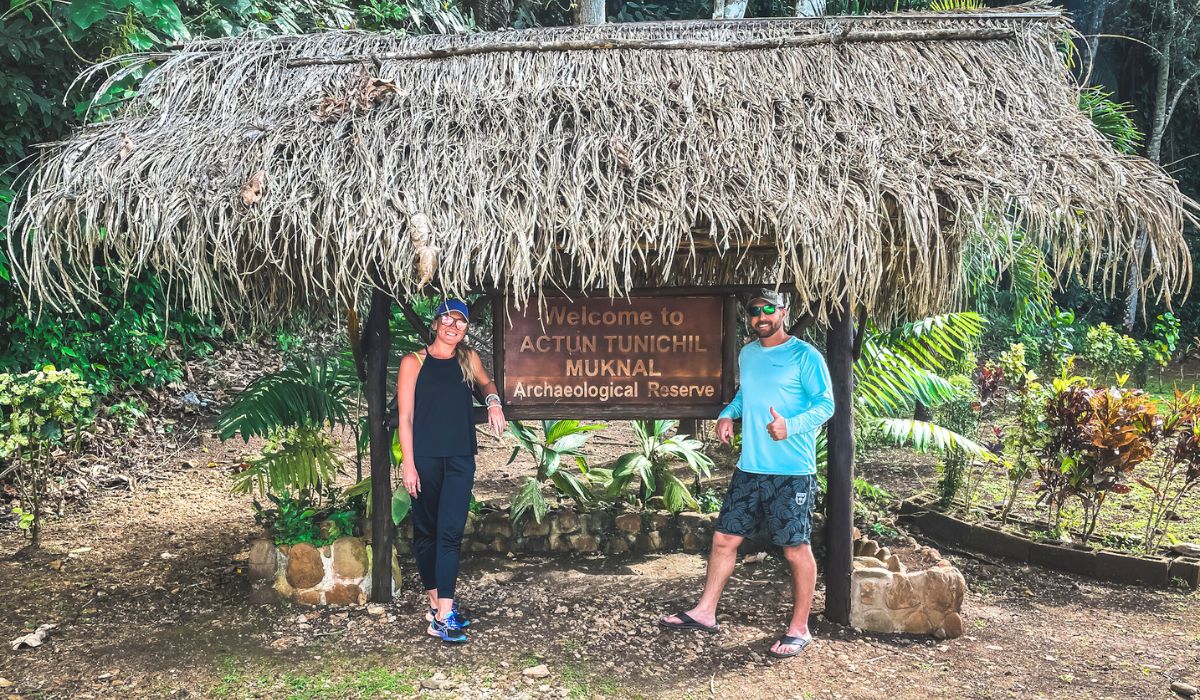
[[721, 561], [804, 580]]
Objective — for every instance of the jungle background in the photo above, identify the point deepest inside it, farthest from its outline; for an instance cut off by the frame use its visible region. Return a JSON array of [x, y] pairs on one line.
[[973, 408]]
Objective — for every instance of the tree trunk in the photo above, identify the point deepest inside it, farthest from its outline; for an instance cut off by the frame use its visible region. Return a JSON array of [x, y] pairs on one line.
[[377, 344], [1133, 279], [589, 11], [839, 501], [729, 9], [810, 8]]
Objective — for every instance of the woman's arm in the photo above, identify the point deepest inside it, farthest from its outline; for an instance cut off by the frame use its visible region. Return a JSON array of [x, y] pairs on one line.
[[494, 409], [406, 389]]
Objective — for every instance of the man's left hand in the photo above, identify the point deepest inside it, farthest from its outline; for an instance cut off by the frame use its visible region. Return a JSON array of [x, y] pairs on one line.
[[777, 428]]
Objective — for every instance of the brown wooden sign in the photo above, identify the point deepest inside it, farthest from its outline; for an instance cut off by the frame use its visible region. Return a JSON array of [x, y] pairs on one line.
[[643, 357]]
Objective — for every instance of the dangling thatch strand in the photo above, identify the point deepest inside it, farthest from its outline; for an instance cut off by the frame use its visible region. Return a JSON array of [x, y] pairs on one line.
[[849, 168]]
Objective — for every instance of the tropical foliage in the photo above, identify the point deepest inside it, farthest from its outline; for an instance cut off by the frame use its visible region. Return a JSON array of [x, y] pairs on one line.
[[554, 452], [41, 414], [650, 465]]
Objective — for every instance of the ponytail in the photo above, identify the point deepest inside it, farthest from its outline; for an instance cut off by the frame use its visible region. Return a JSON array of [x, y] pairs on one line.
[[463, 354]]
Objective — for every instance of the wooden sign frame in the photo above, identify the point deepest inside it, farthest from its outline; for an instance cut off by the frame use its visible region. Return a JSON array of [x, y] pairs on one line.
[[729, 349]]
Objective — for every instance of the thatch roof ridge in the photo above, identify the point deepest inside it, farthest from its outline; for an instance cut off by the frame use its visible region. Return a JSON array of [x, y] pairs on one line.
[[849, 168]]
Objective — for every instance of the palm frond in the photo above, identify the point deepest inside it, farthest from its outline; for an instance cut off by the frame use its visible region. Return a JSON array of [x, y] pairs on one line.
[[924, 436], [529, 499], [310, 394], [303, 461]]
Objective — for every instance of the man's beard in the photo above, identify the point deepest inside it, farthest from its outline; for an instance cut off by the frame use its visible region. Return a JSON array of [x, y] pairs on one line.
[[766, 332]]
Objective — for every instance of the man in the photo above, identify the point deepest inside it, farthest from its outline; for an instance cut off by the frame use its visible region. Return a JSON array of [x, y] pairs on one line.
[[783, 400]]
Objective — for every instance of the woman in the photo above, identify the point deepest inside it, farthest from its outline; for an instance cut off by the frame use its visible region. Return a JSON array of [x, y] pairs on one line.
[[437, 435]]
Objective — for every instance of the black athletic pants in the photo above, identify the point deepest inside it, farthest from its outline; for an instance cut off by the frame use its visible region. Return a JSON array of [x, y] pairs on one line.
[[439, 513]]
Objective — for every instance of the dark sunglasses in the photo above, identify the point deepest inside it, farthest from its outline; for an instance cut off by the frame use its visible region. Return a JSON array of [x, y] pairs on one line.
[[767, 309]]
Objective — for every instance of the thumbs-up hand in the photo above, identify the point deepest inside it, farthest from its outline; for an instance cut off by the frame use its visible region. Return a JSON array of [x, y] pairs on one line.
[[777, 428]]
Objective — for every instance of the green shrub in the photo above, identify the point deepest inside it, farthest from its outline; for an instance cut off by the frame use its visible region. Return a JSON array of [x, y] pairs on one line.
[[960, 414], [120, 341], [1109, 352], [41, 413]]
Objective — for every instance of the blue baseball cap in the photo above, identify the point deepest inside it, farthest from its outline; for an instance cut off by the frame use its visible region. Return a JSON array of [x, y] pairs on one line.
[[453, 305]]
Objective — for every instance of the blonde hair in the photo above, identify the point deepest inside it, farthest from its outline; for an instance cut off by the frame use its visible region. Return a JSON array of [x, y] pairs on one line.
[[462, 353]]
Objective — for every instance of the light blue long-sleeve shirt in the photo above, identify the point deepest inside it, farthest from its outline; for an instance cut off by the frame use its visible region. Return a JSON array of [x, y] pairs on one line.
[[793, 379]]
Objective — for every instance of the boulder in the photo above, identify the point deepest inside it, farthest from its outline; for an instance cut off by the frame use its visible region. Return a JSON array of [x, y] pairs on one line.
[[310, 597], [262, 560], [952, 625], [533, 528], [629, 522], [584, 543], [1187, 549], [305, 568], [349, 558], [345, 594], [565, 521]]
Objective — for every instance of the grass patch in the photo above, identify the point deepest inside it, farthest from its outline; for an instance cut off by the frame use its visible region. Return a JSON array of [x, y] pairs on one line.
[[375, 682]]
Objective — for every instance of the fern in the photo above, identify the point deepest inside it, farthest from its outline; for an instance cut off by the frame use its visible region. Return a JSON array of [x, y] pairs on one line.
[[302, 460], [311, 394]]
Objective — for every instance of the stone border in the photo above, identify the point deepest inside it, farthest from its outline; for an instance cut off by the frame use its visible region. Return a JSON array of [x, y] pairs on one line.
[[565, 530], [1107, 565], [340, 573], [335, 574]]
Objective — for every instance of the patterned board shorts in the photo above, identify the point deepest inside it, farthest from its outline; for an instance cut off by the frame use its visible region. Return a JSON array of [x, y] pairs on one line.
[[780, 504]]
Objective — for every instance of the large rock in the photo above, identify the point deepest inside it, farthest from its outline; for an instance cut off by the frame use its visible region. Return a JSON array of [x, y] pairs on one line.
[[345, 594], [564, 521], [263, 556], [309, 597], [629, 522], [921, 602], [349, 558], [305, 568]]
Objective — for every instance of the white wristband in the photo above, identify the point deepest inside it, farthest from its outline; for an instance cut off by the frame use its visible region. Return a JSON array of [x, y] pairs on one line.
[[492, 400]]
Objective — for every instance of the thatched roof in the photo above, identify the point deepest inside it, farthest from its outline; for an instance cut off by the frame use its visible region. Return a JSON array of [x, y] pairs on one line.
[[855, 164]]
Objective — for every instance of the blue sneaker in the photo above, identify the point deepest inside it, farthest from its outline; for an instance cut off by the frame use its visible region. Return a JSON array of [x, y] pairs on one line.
[[447, 630], [455, 615]]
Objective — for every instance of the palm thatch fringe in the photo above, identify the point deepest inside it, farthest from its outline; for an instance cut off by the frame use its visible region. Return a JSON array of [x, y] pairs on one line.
[[848, 167]]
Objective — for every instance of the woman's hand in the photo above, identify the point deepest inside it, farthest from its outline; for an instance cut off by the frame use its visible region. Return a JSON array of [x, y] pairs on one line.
[[412, 481], [496, 419]]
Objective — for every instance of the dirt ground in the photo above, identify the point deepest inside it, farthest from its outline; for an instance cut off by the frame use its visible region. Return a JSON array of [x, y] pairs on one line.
[[146, 588]]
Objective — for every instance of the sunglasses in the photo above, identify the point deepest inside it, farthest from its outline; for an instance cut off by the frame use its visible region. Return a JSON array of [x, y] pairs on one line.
[[448, 320], [767, 309]]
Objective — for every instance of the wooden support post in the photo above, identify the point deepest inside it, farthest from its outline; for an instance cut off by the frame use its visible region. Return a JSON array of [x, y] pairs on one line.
[[839, 499], [377, 341]]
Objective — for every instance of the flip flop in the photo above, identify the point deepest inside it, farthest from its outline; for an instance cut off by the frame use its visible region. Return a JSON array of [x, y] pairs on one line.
[[687, 623], [801, 643]]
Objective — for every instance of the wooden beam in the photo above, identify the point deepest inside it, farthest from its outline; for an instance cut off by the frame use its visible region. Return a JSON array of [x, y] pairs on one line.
[[378, 341], [729, 349], [845, 35], [839, 499], [498, 322]]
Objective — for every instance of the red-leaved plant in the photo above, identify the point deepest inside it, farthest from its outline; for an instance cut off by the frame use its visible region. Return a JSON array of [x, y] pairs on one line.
[[1177, 470]]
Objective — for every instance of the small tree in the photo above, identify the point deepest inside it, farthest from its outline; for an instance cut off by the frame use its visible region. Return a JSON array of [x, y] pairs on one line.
[[41, 414]]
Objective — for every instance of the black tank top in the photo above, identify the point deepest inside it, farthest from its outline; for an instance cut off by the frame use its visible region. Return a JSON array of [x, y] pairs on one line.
[[443, 419]]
